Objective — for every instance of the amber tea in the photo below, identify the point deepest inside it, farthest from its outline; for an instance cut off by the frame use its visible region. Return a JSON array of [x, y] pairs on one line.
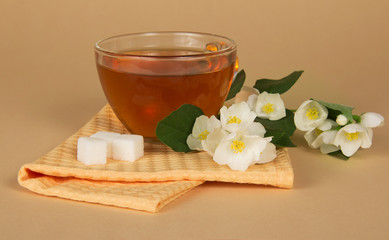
[[144, 86], [141, 100]]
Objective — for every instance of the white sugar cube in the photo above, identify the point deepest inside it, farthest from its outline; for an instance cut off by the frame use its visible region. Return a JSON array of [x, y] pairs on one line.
[[108, 137], [128, 147], [91, 150]]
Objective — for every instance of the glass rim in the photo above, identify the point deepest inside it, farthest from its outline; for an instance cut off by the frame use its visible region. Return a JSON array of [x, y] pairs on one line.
[[231, 48]]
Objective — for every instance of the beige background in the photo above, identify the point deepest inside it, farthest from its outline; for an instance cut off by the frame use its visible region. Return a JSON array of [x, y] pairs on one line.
[[49, 89]]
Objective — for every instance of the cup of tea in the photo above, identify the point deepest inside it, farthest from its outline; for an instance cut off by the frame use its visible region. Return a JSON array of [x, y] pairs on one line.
[[146, 76]]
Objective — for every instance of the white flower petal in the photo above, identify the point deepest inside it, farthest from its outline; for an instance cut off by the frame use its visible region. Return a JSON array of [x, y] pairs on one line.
[[316, 137], [326, 137], [200, 125], [213, 140], [251, 154], [341, 135], [241, 162], [351, 137], [268, 154], [244, 94], [251, 118], [222, 153], [371, 120], [270, 106], [328, 148], [299, 117], [366, 138], [311, 136], [241, 109], [223, 114], [309, 115], [251, 101], [237, 117], [268, 139], [256, 129], [277, 115], [193, 143], [239, 151], [326, 125], [256, 145], [348, 148], [213, 123], [369, 132]]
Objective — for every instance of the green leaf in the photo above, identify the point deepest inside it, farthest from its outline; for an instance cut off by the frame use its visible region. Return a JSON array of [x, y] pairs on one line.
[[237, 84], [335, 109], [357, 118], [174, 129], [339, 154], [280, 139], [280, 130], [285, 124], [278, 86]]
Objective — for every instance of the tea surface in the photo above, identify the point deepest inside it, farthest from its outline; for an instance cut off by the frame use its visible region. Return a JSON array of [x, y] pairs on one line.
[[141, 100]]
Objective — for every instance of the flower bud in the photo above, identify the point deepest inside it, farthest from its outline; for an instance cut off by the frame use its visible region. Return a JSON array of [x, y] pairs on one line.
[[341, 120]]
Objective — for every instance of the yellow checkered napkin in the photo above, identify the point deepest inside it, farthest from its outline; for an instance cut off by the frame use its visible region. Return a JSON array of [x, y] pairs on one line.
[[147, 184]]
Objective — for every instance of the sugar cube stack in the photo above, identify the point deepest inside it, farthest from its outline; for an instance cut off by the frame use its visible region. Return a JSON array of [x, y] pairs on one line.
[[91, 150], [128, 147], [96, 148], [108, 137]]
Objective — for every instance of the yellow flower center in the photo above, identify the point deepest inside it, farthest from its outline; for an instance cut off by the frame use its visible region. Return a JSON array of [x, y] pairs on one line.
[[318, 131], [312, 113], [268, 108], [203, 135], [352, 136], [234, 119], [237, 146]]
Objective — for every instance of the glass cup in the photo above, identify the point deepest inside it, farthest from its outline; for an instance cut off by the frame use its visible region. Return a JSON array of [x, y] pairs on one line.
[[146, 76]]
